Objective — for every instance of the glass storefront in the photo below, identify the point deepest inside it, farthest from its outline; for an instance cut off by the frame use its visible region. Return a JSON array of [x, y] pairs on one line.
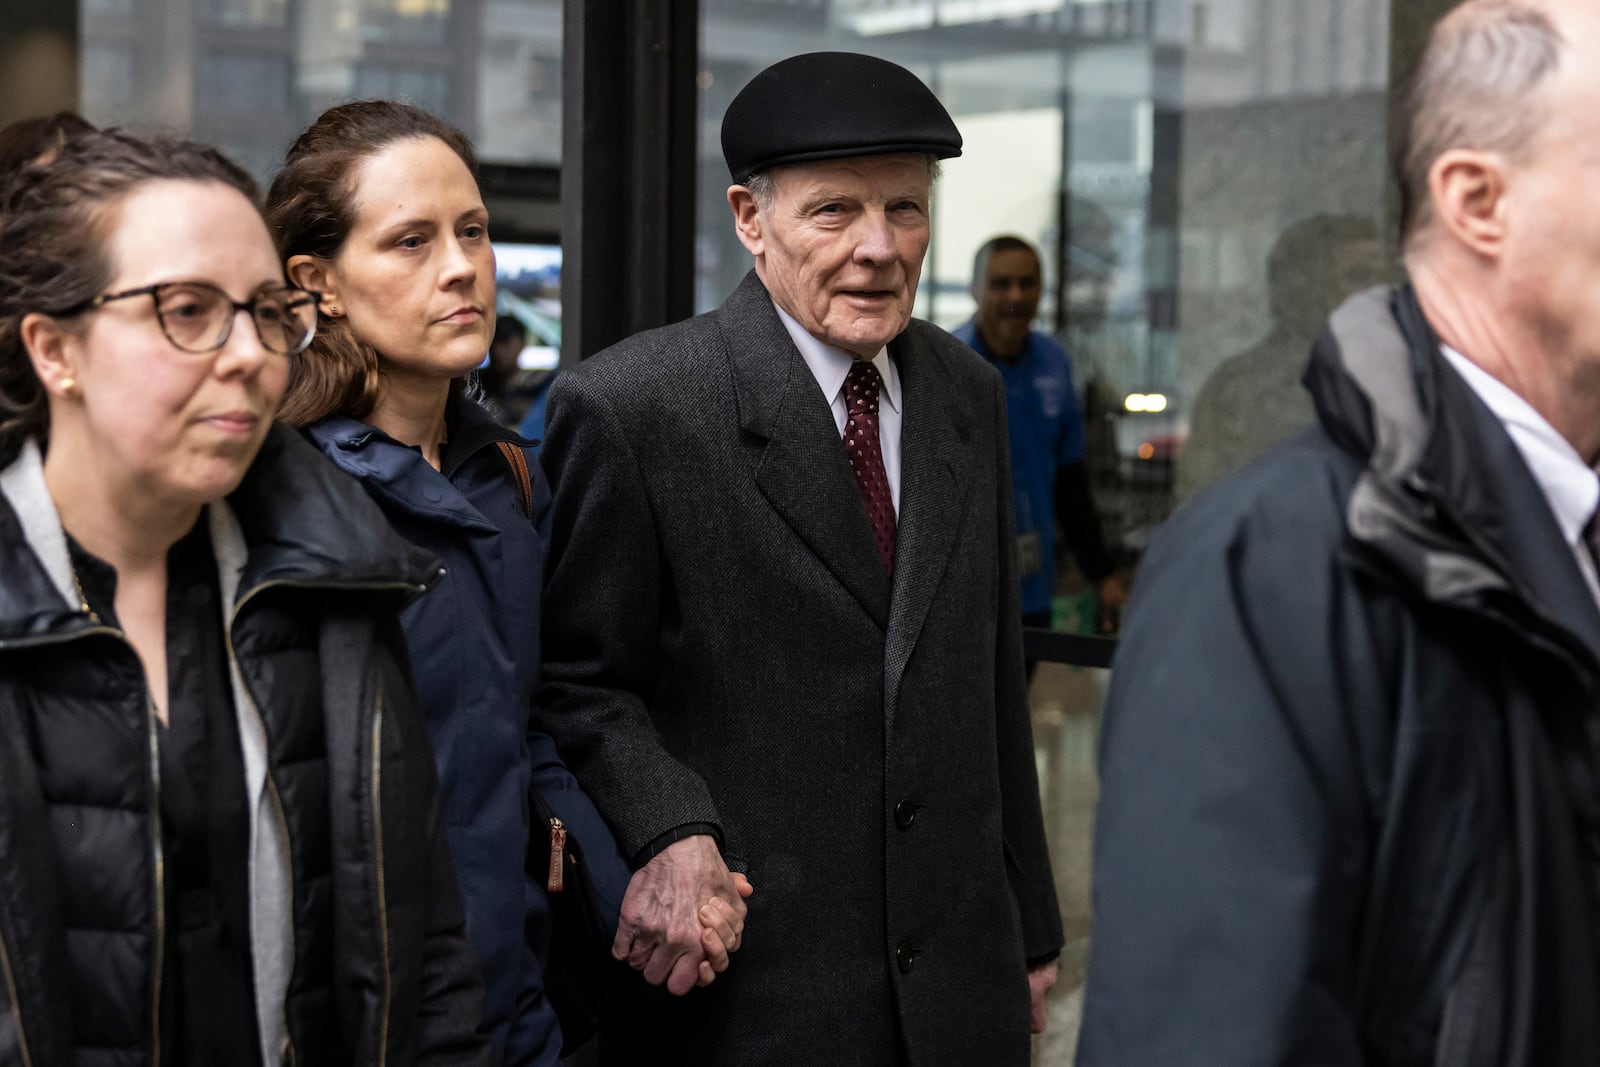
[[1205, 179], [1202, 177], [1157, 153]]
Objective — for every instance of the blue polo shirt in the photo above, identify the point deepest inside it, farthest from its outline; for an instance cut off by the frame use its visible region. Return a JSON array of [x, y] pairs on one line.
[[1045, 421]]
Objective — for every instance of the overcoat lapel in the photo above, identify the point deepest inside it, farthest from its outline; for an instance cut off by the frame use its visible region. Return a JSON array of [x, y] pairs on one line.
[[802, 471], [935, 480]]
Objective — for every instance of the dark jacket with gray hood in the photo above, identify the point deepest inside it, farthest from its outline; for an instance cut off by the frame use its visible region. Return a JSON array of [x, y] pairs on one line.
[[1349, 812], [357, 943]]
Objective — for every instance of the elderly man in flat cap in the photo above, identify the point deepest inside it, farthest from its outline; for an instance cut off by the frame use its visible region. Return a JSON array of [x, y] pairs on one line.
[[782, 634]]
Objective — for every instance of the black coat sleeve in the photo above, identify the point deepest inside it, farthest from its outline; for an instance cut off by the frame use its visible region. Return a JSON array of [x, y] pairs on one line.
[[1233, 833], [606, 602]]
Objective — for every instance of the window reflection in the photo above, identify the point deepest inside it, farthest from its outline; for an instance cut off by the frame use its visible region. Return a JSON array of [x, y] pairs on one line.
[[408, 21], [425, 88], [250, 74], [1154, 151], [247, 12], [233, 83]]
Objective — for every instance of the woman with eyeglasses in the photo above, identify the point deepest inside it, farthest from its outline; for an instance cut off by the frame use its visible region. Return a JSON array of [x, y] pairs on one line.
[[219, 833], [377, 210]]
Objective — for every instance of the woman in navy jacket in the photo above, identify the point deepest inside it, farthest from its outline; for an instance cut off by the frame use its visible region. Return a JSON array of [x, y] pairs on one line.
[[377, 210]]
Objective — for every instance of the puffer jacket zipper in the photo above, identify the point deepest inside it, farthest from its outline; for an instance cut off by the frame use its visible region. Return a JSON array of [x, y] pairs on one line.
[[160, 879], [279, 815], [382, 892], [153, 735], [415, 588]]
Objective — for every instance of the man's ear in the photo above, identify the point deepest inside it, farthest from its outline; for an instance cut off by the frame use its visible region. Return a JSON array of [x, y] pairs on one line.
[[1468, 193], [309, 272], [52, 351], [746, 219]]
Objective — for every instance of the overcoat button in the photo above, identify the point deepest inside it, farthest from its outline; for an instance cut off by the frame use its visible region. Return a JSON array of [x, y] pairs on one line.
[[905, 956], [905, 813]]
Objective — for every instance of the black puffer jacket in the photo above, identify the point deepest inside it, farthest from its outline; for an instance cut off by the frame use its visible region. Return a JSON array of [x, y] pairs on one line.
[[347, 782], [1349, 812]]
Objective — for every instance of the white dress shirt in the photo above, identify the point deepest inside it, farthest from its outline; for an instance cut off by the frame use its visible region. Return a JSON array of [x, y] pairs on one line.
[[829, 366], [1569, 484]]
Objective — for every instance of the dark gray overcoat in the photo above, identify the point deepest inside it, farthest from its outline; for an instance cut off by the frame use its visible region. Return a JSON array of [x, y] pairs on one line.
[[722, 646]]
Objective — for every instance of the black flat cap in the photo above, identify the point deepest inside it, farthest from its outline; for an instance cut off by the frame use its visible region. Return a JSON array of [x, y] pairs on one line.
[[833, 105]]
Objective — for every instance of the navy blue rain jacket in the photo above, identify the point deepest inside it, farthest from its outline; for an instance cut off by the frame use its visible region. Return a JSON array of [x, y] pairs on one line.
[[474, 644]]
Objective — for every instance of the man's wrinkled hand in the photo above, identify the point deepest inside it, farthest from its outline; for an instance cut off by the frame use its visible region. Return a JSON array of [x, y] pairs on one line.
[[659, 931], [1040, 979]]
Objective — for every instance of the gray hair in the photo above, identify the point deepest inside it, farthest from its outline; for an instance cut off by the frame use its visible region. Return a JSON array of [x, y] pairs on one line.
[[1476, 85], [765, 191]]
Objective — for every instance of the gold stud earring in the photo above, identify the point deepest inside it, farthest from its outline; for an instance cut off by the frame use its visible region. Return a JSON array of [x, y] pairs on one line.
[[333, 311], [69, 386]]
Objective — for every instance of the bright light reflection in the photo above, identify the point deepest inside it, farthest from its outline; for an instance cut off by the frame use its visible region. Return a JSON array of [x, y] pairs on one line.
[[875, 21], [1145, 402], [961, 11]]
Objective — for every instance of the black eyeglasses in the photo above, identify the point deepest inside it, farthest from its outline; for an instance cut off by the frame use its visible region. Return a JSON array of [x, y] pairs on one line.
[[197, 317]]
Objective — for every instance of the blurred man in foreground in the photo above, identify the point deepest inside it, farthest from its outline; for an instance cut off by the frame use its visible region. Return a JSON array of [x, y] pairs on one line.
[[1349, 809]]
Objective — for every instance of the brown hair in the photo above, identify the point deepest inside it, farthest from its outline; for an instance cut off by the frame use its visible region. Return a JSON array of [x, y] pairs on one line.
[[311, 209], [1476, 85], [56, 219], [35, 139]]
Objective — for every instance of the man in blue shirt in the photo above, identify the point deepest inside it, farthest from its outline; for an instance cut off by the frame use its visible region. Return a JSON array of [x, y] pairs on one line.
[[1050, 482]]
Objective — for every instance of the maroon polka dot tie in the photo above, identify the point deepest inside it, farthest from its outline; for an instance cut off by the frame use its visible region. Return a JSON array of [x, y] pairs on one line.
[[861, 446]]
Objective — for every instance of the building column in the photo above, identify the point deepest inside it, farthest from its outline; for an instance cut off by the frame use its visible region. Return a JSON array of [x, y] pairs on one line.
[[629, 144]]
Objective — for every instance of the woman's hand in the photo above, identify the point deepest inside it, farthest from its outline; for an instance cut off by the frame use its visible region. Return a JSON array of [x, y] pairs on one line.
[[722, 931]]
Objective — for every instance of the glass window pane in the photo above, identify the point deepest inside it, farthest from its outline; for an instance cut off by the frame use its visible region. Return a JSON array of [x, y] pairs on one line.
[[1156, 154], [107, 71], [250, 74], [247, 12], [408, 21], [234, 83]]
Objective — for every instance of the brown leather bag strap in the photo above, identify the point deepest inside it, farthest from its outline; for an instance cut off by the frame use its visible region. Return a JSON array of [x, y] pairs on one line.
[[518, 462]]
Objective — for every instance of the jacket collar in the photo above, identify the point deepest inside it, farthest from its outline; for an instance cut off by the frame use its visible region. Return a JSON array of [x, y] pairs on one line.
[[303, 523], [471, 429], [1445, 504], [398, 475]]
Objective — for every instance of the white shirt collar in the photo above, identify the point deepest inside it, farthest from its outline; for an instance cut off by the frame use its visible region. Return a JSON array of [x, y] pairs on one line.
[[829, 365], [1569, 484]]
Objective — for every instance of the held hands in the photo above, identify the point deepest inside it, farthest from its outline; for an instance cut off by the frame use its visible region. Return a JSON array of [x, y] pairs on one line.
[[682, 915]]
